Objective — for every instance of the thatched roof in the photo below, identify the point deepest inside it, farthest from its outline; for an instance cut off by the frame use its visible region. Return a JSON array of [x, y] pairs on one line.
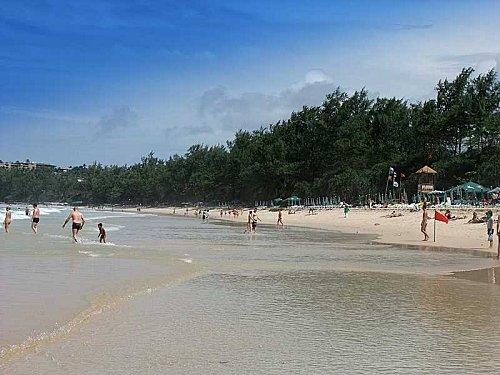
[[426, 170]]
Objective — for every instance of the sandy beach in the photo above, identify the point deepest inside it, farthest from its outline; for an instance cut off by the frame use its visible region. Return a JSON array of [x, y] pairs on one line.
[[402, 230]]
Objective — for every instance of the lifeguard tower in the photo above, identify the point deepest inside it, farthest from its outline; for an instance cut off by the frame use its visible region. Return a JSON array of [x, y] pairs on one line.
[[426, 180]]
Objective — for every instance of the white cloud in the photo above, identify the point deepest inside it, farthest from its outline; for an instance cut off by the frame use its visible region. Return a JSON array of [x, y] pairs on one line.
[[221, 110], [120, 117]]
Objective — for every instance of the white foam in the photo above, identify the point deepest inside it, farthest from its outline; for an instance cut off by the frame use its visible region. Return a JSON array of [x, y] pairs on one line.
[[115, 216], [114, 228], [90, 254], [49, 210], [57, 236], [186, 260], [19, 215]]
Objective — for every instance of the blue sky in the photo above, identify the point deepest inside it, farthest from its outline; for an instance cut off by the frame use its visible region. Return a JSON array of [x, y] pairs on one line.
[[109, 81]]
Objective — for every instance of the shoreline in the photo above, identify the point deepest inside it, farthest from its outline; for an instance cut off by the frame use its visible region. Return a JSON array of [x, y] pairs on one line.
[[403, 231]]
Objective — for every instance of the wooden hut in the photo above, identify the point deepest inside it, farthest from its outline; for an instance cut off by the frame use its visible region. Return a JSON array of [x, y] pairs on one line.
[[426, 179]]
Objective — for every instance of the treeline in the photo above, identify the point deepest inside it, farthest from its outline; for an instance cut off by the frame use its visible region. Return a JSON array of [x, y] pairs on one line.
[[343, 147]]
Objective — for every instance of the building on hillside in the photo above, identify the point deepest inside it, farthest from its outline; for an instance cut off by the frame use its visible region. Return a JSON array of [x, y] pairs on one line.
[[27, 165]]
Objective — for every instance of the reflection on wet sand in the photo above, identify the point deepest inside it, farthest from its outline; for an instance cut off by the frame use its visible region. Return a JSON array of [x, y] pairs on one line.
[[485, 275]]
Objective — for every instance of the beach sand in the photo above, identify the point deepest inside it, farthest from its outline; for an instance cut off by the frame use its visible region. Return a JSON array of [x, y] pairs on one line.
[[403, 230]]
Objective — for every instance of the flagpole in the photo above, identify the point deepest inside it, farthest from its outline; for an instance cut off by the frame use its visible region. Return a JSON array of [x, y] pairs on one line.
[[434, 225]]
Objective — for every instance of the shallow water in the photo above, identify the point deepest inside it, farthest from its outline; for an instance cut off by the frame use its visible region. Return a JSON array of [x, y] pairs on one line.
[[178, 296]]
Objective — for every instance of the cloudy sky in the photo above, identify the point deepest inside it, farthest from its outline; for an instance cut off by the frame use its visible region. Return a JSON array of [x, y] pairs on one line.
[[110, 81]]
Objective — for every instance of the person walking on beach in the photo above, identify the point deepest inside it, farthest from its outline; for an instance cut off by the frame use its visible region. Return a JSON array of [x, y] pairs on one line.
[[78, 222], [346, 210], [489, 227], [102, 233], [35, 216], [498, 235], [423, 224], [280, 219], [8, 219]]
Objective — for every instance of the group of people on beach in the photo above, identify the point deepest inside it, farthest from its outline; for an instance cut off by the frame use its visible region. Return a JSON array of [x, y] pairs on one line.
[[490, 222], [75, 216]]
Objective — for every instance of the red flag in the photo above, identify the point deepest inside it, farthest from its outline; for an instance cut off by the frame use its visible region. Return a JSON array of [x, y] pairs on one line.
[[439, 216]]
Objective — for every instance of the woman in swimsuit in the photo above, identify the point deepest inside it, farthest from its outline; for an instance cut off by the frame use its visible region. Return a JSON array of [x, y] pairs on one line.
[[8, 219], [423, 224]]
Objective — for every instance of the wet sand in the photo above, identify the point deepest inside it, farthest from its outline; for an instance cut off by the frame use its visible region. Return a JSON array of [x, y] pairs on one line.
[[485, 275], [402, 230]]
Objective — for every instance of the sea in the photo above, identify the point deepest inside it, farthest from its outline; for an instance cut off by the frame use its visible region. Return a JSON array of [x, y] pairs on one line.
[[175, 295]]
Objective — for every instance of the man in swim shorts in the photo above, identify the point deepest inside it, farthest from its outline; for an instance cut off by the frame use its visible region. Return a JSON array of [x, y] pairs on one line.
[[78, 222], [35, 218], [255, 218]]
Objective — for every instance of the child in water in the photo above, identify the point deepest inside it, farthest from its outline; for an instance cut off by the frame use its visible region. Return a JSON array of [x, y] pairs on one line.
[[102, 233]]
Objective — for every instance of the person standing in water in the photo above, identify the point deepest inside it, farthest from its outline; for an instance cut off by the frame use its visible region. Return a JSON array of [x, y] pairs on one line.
[[35, 218], [255, 218], [78, 222], [8, 219], [423, 224], [489, 227], [102, 233], [249, 222], [280, 219]]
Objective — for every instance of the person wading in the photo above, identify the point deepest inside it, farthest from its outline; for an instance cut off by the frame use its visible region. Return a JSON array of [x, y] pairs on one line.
[[35, 216], [78, 222]]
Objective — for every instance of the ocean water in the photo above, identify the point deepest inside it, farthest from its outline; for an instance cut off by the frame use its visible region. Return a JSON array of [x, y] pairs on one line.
[[178, 296]]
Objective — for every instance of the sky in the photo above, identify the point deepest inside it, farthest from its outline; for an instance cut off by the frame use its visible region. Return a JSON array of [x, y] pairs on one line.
[[110, 81]]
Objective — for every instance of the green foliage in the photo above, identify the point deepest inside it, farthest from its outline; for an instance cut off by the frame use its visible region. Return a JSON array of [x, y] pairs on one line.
[[343, 147]]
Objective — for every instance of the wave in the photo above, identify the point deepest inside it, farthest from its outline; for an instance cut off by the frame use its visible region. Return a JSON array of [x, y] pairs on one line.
[[51, 210], [114, 228], [98, 305], [94, 255], [121, 215], [60, 236], [87, 242], [18, 213]]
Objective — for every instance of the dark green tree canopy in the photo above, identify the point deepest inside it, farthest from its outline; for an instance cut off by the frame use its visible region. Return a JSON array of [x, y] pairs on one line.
[[343, 147]]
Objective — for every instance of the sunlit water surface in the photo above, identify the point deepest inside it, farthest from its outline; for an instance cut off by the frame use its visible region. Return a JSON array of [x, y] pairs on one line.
[[174, 295]]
